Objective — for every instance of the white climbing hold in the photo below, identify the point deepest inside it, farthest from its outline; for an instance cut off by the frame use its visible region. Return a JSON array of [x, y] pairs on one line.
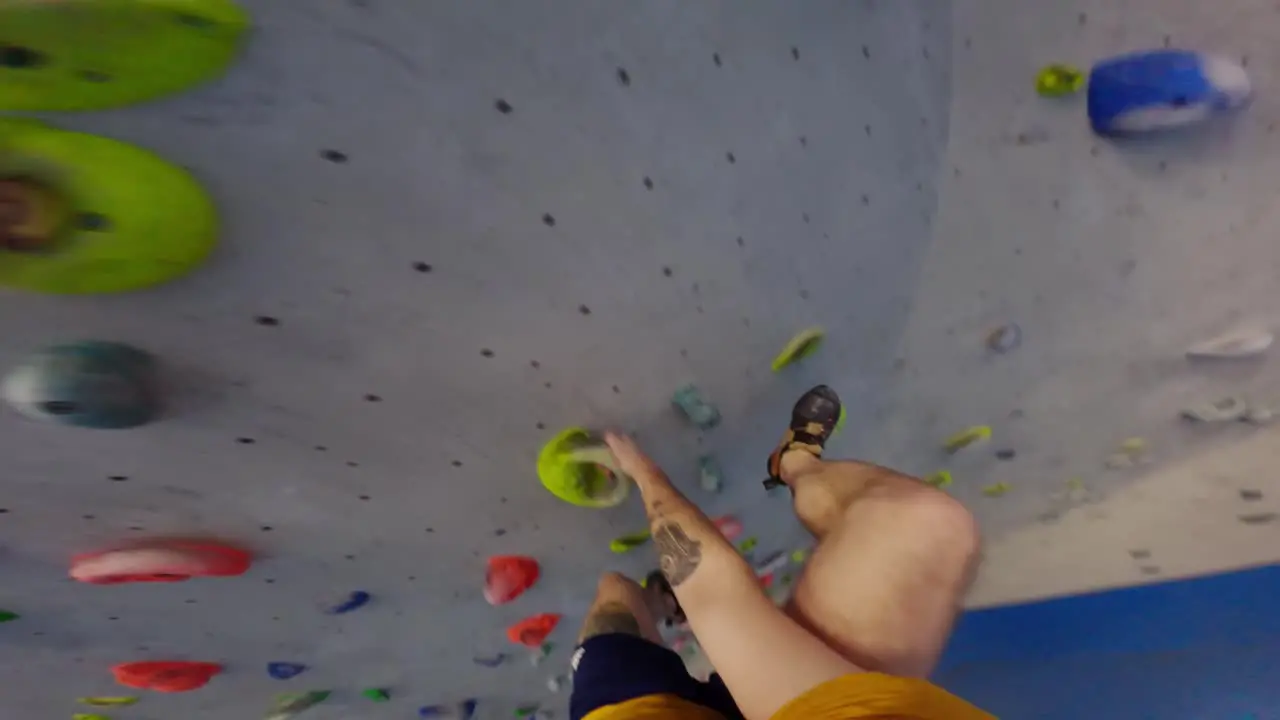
[[1239, 343], [1226, 409], [1259, 416]]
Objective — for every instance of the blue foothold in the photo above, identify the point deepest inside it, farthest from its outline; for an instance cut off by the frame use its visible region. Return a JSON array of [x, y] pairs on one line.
[[492, 661], [358, 599], [467, 708], [285, 670], [433, 711]]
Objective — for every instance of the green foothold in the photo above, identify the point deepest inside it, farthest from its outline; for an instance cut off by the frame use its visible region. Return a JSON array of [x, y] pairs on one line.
[[1059, 80], [6, 616], [526, 710], [286, 706], [627, 543], [799, 556], [89, 716], [969, 436], [749, 544], [805, 343], [940, 479], [378, 695], [996, 489]]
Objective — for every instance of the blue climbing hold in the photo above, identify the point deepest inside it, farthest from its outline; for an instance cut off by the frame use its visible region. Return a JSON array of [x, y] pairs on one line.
[[357, 600], [697, 408], [433, 711], [285, 670], [1162, 89], [467, 709], [491, 661]]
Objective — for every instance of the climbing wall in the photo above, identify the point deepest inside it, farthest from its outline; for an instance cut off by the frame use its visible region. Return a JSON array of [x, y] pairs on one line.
[[451, 230]]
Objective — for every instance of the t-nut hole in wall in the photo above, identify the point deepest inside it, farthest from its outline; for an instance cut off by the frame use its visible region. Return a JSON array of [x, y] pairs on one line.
[[20, 57], [59, 407]]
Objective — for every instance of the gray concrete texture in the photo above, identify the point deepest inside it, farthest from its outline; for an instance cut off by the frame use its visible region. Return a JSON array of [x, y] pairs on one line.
[[675, 189]]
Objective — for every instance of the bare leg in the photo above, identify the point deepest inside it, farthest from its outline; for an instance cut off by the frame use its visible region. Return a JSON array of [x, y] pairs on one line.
[[893, 561], [620, 607], [764, 657]]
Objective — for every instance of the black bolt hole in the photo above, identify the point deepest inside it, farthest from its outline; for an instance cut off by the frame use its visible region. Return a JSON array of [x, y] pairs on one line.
[[92, 221], [17, 57], [59, 407]]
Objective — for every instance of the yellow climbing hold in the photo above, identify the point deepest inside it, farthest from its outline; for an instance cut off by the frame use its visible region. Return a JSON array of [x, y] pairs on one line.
[[118, 701], [799, 556], [1059, 80], [749, 544], [968, 436], [995, 489], [89, 716], [805, 343], [576, 467], [940, 479], [1134, 445], [627, 543]]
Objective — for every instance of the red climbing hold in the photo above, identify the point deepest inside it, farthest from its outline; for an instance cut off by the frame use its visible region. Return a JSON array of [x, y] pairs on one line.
[[166, 676], [160, 561], [533, 631], [729, 526], [508, 576]]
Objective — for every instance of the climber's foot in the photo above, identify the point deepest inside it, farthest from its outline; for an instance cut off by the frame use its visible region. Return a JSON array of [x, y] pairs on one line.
[[813, 420]]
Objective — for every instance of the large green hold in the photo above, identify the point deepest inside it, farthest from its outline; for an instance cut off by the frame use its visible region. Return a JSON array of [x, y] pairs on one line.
[[92, 54]]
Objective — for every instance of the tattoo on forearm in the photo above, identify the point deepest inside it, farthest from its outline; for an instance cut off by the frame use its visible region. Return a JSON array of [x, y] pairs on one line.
[[611, 617], [678, 554]]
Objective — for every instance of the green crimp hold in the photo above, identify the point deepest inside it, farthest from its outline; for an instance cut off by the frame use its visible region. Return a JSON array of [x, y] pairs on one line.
[[286, 706], [6, 616], [526, 710], [749, 544], [378, 695]]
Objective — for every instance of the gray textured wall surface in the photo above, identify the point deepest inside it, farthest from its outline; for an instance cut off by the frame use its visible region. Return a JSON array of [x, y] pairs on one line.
[[467, 281]]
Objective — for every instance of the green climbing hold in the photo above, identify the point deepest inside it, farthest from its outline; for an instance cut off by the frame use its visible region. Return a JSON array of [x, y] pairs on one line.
[[627, 543], [695, 406], [93, 54], [578, 468], [286, 706], [526, 710], [940, 479], [749, 544], [996, 489], [805, 343], [89, 716], [1059, 80], [6, 616], [378, 695]]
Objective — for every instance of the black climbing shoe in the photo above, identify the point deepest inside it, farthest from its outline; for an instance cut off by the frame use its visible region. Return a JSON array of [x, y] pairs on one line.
[[656, 584], [813, 420]]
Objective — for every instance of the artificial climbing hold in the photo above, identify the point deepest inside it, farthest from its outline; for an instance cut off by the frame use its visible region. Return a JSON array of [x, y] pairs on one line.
[[1058, 80], [94, 54], [533, 631], [467, 709], [160, 560], [526, 710], [1005, 338], [772, 563], [356, 600], [286, 706], [1259, 415], [490, 661], [378, 695], [1163, 89], [939, 479], [1225, 409], [88, 716], [6, 616], [748, 545], [285, 670], [556, 683], [507, 577], [578, 467], [107, 240], [627, 543], [543, 652], [799, 556], [108, 701], [974, 435], [91, 384], [996, 489], [1233, 345], [805, 343], [729, 526], [166, 676], [699, 410], [711, 477]]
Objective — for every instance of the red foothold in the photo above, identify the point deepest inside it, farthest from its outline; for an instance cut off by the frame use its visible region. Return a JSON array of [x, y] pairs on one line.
[[533, 631], [166, 676], [160, 561], [508, 576], [729, 526]]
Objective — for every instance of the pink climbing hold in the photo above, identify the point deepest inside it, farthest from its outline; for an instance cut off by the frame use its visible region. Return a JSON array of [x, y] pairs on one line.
[[729, 526], [508, 576]]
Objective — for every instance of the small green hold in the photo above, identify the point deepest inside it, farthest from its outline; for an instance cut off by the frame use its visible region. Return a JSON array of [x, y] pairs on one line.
[[287, 706], [89, 716], [996, 489], [749, 544], [1059, 80], [526, 710], [6, 616], [378, 695], [940, 479], [627, 543]]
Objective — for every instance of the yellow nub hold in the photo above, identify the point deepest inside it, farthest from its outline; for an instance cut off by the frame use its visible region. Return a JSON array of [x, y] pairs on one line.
[[1059, 80]]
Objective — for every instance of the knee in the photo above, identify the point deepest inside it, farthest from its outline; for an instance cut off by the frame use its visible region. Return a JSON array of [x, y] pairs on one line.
[[947, 522], [613, 583]]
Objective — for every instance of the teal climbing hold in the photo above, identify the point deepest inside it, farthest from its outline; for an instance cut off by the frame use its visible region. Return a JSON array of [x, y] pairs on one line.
[[697, 408], [711, 477], [6, 616]]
